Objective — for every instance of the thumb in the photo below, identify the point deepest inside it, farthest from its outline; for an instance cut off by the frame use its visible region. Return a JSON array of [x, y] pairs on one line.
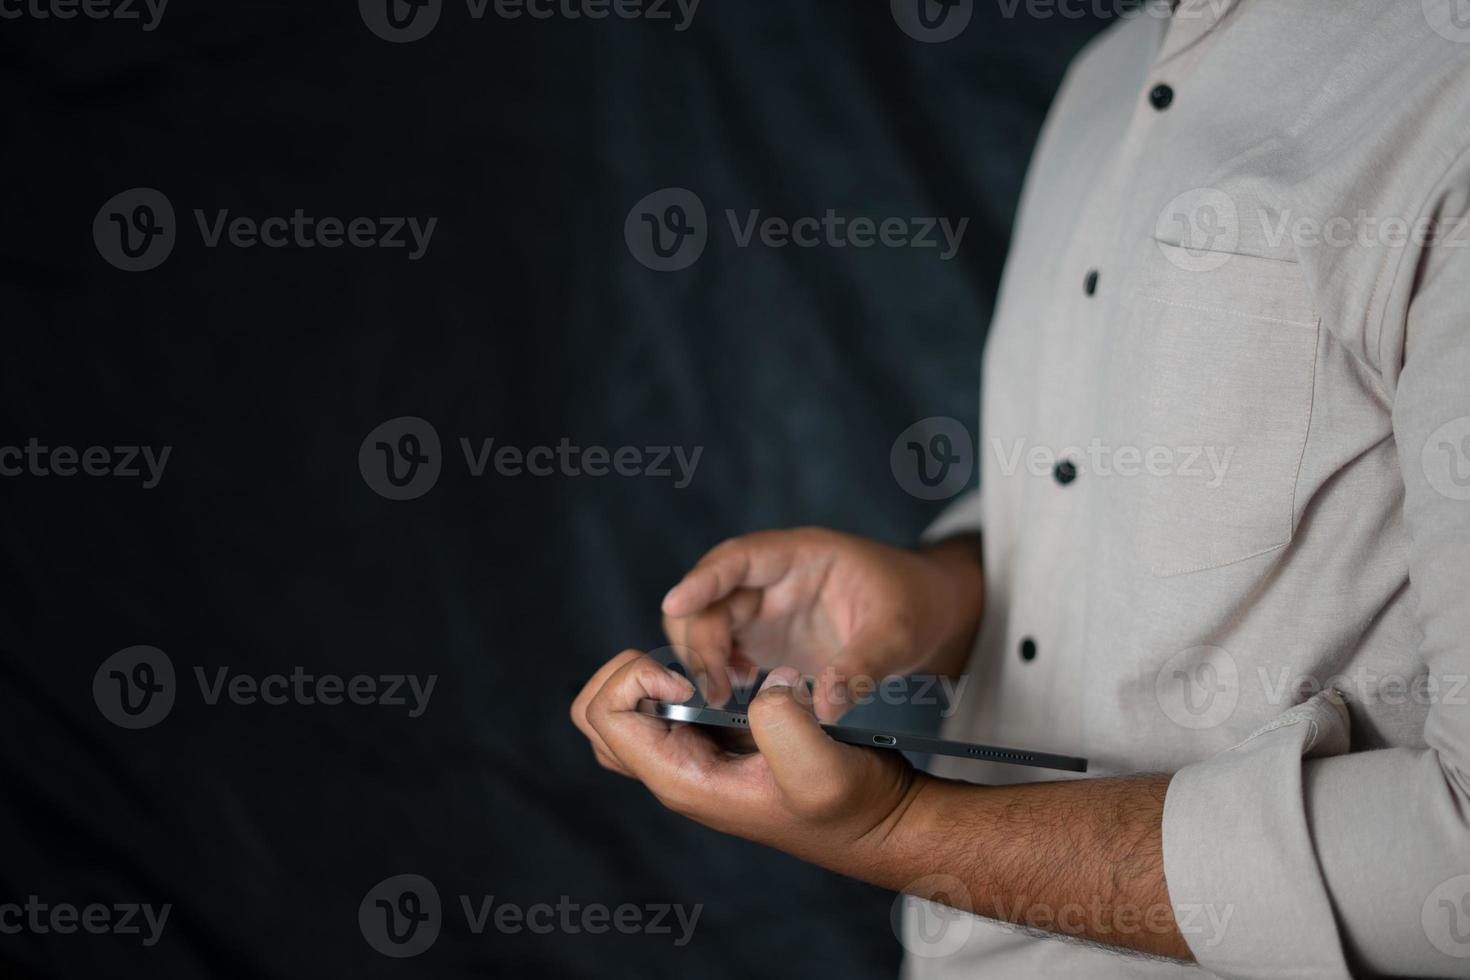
[[807, 764]]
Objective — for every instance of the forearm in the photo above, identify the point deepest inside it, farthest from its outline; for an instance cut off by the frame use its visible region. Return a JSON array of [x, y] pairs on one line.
[[1082, 858]]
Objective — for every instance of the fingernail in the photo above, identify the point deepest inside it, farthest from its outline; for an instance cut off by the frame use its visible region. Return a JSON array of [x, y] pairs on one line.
[[684, 683], [780, 677], [668, 596]]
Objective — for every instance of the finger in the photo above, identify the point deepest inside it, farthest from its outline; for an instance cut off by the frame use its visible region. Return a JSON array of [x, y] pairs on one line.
[[807, 763], [705, 642], [613, 714], [753, 561], [854, 673], [589, 691]]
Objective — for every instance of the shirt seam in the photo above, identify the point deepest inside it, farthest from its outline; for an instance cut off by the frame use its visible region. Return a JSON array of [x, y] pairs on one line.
[[1382, 288], [1201, 308]]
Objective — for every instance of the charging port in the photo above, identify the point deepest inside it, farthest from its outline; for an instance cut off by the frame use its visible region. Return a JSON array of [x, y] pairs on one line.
[[884, 740]]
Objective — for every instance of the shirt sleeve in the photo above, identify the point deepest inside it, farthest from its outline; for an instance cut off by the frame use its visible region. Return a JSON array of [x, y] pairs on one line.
[[1327, 863], [961, 517]]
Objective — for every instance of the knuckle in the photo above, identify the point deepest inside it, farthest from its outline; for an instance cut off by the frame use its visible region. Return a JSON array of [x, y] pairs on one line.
[[813, 534], [725, 548]]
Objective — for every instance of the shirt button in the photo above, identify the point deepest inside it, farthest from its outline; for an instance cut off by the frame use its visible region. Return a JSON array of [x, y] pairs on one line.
[[1028, 649], [1064, 472], [1160, 97], [1089, 285]]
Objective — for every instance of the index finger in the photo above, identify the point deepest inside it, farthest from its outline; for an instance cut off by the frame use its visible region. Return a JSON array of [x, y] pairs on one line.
[[753, 561], [613, 713]]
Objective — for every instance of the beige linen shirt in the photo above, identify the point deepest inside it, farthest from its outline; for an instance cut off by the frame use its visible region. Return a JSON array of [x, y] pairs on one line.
[[1225, 484]]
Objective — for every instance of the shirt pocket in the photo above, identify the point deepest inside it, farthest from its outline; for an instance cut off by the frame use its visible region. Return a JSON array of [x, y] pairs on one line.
[[1215, 379]]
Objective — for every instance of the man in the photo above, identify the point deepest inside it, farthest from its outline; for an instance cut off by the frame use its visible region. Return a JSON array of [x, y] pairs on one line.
[[1234, 315]]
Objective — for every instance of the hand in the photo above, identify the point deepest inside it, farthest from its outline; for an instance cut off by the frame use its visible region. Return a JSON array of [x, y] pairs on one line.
[[1093, 846], [848, 610], [803, 793]]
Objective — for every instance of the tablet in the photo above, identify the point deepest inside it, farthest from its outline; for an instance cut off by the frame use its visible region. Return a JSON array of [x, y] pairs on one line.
[[873, 738]]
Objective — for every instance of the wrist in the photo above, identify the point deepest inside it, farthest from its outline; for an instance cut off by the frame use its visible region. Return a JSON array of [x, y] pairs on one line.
[[917, 846], [956, 600], [883, 852]]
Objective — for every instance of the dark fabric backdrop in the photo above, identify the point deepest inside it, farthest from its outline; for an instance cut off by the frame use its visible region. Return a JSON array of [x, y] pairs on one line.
[[528, 320]]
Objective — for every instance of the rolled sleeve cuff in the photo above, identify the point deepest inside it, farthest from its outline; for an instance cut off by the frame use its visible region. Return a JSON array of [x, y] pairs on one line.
[[960, 517], [1243, 878]]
